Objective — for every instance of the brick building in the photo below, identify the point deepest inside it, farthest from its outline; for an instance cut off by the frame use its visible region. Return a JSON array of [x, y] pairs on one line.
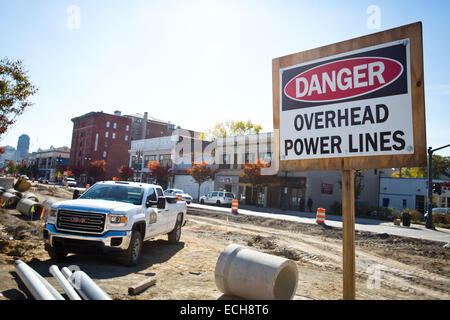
[[100, 136], [145, 127]]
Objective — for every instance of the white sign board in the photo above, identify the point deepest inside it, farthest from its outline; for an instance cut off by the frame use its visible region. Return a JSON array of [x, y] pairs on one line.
[[357, 103]]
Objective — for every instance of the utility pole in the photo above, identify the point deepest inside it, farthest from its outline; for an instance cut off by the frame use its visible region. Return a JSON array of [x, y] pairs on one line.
[[429, 223]]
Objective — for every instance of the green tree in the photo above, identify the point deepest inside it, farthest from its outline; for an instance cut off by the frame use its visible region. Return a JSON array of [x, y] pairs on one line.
[[439, 165], [15, 89], [234, 128]]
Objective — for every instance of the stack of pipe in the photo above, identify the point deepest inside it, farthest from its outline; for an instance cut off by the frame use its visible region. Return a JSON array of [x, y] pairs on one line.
[[75, 285]]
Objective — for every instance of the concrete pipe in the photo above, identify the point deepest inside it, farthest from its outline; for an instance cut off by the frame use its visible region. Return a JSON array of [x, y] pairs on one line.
[[15, 192], [29, 208], [253, 275], [37, 289], [31, 196], [10, 199]]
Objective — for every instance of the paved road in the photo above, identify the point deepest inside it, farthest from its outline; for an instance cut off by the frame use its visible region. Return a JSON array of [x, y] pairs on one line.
[[361, 224]]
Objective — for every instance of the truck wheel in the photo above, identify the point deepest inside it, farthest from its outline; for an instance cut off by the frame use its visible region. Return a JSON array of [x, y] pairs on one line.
[[55, 254], [132, 256], [218, 203], [175, 234], [202, 202]]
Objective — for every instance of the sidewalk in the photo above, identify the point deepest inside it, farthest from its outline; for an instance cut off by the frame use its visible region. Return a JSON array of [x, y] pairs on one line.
[[361, 224]]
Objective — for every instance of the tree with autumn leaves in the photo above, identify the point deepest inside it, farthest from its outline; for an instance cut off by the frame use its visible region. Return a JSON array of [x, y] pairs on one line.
[[201, 172], [251, 173], [96, 169], [159, 173], [125, 173]]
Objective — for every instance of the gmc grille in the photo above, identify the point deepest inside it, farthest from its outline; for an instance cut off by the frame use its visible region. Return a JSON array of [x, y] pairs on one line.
[[80, 221]]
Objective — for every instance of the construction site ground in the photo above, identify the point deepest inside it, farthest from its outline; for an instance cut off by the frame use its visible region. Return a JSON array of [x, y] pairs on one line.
[[387, 267]]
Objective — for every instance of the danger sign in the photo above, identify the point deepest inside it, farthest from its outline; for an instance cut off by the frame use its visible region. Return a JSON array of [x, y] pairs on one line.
[[359, 103]]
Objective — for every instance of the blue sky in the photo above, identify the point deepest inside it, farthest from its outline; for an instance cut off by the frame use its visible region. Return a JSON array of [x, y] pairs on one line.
[[193, 63]]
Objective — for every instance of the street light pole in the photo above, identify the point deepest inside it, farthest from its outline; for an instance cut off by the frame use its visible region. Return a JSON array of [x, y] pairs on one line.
[[429, 223]]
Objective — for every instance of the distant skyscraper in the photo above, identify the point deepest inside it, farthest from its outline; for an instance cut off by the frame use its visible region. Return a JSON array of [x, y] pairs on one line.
[[23, 146]]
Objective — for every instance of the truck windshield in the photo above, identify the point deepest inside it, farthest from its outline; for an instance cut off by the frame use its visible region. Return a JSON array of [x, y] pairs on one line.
[[121, 193]]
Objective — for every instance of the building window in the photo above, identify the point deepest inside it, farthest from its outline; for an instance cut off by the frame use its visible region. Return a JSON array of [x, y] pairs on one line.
[[107, 124], [127, 128], [115, 125], [106, 134], [106, 144], [126, 138], [104, 154], [148, 132], [165, 160], [114, 135]]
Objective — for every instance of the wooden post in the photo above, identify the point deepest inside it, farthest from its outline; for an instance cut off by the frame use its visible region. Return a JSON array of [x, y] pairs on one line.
[[348, 234]]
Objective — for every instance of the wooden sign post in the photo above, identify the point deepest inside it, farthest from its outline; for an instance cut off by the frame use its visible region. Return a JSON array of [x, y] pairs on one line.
[[356, 104]]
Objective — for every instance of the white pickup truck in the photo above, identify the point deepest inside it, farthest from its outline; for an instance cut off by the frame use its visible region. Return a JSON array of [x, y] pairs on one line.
[[113, 215]]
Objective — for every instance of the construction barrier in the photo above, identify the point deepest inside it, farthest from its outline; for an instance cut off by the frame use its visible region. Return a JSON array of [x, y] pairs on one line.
[[320, 216], [180, 198], [234, 206]]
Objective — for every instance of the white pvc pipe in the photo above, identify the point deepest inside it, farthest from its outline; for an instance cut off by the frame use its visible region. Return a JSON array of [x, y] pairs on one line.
[[32, 282], [84, 285], [250, 274], [67, 287], [88, 288], [50, 288]]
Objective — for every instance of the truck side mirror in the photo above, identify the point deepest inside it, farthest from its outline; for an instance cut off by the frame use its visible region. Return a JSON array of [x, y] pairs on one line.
[[151, 201], [161, 203]]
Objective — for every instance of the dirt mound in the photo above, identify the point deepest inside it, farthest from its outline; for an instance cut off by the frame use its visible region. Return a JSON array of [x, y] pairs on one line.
[[26, 251]]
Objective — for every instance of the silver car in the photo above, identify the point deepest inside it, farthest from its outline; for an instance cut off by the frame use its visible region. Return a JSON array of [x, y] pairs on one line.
[[219, 198], [175, 192]]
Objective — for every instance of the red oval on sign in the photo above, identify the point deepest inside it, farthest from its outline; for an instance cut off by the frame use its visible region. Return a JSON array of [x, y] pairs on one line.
[[343, 79]]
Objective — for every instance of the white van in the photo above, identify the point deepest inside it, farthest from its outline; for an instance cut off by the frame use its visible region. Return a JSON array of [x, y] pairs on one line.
[[219, 198]]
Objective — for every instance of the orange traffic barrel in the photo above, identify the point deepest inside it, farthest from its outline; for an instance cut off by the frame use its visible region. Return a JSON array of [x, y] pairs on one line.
[[234, 206], [320, 215], [179, 197], [87, 186]]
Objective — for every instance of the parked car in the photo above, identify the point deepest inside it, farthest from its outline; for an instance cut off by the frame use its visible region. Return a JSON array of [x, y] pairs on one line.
[[443, 211], [113, 216], [70, 181], [175, 192], [219, 198], [43, 180]]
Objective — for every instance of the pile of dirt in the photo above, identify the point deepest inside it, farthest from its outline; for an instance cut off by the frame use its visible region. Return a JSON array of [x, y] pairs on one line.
[[11, 250]]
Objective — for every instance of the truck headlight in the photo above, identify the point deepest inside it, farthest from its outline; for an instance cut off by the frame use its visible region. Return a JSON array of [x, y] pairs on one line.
[[117, 219]]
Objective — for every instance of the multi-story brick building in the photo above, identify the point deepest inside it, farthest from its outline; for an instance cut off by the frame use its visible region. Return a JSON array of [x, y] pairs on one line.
[[146, 127], [101, 136]]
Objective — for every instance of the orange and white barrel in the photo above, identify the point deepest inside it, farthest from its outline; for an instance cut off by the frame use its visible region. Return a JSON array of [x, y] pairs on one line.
[[320, 215], [88, 186], [234, 206], [53, 191], [179, 197]]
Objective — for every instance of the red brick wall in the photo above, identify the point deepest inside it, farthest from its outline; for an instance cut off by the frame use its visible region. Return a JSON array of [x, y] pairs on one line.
[[83, 141]]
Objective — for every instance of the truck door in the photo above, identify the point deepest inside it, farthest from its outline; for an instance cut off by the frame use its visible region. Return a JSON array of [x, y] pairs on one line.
[[155, 219], [169, 215]]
